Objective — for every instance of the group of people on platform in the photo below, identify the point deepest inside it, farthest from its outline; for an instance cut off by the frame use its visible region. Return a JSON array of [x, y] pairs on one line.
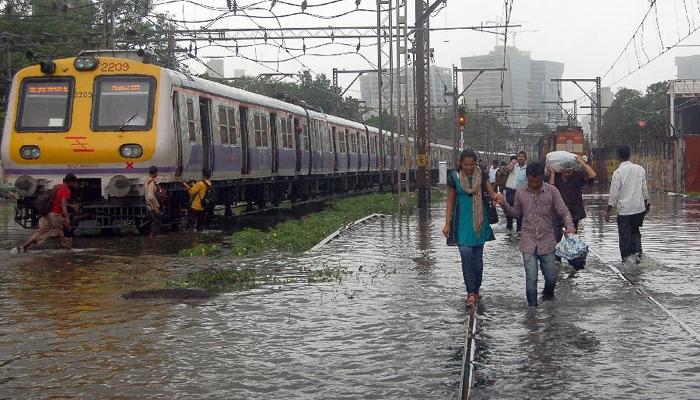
[[543, 212]]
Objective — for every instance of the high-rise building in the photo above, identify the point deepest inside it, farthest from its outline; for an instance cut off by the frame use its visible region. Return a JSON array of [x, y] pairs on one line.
[[688, 67], [215, 67], [526, 85], [440, 82]]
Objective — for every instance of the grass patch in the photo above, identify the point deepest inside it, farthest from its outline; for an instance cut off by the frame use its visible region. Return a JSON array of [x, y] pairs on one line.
[[200, 250], [219, 280], [328, 274], [302, 234]]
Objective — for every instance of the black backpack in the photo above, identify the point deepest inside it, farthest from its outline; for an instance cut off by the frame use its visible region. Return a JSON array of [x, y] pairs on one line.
[[209, 198], [44, 202]]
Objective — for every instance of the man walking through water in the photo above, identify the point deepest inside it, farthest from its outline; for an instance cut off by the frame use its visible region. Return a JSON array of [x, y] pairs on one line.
[[538, 204], [569, 183], [516, 180], [629, 193]]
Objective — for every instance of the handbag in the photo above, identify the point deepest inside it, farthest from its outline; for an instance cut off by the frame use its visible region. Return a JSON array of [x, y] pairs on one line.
[[493, 214]]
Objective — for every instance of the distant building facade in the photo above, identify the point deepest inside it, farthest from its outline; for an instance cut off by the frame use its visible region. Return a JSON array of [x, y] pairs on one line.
[[216, 68], [688, 67], [526, 85], [440, 82]]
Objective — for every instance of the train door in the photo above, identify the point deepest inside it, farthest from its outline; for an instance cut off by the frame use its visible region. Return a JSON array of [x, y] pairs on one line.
[[334, 149], [178, 133], [245, 142], [205, 123], [297, 144], [274, 143]]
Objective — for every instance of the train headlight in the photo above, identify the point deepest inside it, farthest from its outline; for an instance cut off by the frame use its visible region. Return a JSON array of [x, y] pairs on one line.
[[86, 63], [25, 185], [119, 186], [30, 152], [131, 151]]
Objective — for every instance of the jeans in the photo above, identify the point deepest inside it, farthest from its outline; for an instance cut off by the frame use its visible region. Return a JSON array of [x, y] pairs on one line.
[[510, 198], [549, 271], [628, 232], [472, 266]]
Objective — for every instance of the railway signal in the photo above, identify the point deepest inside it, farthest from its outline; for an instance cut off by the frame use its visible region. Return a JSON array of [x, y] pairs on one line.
[[462, 117]]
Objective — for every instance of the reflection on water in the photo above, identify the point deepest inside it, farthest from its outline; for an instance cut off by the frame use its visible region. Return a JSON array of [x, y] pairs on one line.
[[392, 329]]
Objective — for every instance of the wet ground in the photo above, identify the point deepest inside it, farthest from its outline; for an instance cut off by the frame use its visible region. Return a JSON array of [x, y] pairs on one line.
[[393, 329]]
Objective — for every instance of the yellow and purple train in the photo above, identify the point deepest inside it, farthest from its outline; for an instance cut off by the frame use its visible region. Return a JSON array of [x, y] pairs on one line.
[[108, 117]]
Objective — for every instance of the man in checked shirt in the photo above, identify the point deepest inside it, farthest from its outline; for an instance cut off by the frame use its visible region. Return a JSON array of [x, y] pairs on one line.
[[538, 204]]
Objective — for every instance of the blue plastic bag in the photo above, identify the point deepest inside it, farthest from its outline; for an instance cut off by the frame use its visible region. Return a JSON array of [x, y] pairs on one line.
[[571, 247]]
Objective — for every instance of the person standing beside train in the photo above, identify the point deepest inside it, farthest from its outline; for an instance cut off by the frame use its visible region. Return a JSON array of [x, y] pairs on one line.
[[198, 192], [516, 180], [467, 223], [151, 195]]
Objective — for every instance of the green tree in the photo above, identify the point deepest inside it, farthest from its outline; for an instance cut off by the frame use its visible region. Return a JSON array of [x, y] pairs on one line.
[[633, 118]]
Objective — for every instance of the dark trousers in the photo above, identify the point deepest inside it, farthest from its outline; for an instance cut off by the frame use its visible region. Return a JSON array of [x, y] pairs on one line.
[[510, 198], [155, 222], [629, 234], [197, 219]]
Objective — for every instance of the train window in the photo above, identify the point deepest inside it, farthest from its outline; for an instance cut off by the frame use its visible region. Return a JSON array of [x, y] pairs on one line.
[[363, 143], [287, 137], [232, 132], [223, 125], [304, 136], [265, 130], [190, 121], [123, 103], [257, 129], [45, 105], [227, 125], [331, 149], [352, 139], [341, 142], [372, 145]]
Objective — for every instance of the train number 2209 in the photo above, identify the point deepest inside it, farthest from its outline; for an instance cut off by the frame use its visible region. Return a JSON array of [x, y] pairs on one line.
[[114, 67]]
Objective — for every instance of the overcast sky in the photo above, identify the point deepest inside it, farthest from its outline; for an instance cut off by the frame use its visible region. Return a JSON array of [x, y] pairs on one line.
[[587, 36]]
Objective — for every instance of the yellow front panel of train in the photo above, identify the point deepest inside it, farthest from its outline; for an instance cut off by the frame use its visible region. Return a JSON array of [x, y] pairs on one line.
[[85, 117]]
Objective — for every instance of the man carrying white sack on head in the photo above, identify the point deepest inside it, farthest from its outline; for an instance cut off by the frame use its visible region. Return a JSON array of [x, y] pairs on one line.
[[569, 182]]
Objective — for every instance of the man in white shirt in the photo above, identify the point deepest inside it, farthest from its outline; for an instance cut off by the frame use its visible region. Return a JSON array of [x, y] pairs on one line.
[[516, 180], [629, 193], [492, 172]]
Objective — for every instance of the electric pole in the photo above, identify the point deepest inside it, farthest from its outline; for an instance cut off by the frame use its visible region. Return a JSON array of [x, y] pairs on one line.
[[422, 103]]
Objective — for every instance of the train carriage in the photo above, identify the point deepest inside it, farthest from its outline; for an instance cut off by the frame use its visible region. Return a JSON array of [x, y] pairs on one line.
[[108, 118]]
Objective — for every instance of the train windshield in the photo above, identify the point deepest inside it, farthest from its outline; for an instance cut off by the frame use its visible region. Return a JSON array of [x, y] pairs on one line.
[[123, 103], [45, 104]]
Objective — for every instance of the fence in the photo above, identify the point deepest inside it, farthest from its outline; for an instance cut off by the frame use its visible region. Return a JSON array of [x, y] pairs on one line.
[[656, 156]]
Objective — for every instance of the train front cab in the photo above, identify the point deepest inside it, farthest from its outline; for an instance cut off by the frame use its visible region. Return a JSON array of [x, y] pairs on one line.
[[94, 117]]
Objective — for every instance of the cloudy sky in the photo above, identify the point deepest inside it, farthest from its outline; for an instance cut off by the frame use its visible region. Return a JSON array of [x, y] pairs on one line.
[[587, 36]]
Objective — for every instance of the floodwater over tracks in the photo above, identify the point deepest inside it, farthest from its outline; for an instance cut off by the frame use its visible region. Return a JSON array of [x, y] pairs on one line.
[[394, 328]]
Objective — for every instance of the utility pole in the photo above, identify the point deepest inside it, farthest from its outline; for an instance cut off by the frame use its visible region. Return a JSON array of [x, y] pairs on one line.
[[422, 62], [455, 100], [597, 103], [399, 25], [408, 107], [172, 64]]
